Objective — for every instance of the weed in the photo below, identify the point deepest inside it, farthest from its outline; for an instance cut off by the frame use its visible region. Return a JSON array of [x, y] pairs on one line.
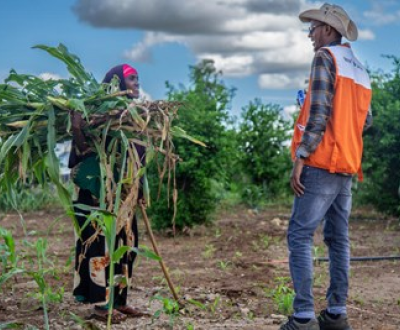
[[319, 280], [189, 326], [169, 307], [213, 306], [359, 300], [209, 251], [282, 295], [238, 254], [266, 241], [224, 264], [318, 251], [255, 246]]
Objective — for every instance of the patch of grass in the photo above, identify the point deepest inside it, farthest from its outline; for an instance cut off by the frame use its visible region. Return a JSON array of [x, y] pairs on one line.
[[31, 198]]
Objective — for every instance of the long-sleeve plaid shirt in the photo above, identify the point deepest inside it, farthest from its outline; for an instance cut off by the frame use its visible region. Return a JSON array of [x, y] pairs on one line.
[[323, 77]]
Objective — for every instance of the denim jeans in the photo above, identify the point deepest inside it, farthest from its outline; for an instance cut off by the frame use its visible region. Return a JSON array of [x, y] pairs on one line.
[[326, 196]]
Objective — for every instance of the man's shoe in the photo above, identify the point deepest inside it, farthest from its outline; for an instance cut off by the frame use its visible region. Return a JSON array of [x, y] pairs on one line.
[[328, 323], [292, 324]]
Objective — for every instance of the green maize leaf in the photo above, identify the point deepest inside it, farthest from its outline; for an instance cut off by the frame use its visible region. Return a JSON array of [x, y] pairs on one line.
[[77, 105], [120, 279], [59, 102], [18, 124], [144, 251], [180, 133], [124, 146], [15, 325], [6, 276], [72, 62], [14, 141], [26, 156], [133, 111], [197, 303], [119, 253], [146, 190], [109, 224], [150, 153]]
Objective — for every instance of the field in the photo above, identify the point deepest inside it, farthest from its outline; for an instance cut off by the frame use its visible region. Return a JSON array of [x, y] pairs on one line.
[[227, 273]]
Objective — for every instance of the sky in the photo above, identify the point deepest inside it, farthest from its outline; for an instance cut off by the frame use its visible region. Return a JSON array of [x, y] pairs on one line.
[[260, 46]]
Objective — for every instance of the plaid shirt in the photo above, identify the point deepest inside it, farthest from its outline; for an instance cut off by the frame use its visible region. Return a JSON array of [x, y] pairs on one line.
[[323, 77]]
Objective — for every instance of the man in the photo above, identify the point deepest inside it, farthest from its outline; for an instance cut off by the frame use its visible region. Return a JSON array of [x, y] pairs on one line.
[[326, 149]]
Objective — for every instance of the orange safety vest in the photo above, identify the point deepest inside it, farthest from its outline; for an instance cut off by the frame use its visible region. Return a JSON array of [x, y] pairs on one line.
[[340, 149]]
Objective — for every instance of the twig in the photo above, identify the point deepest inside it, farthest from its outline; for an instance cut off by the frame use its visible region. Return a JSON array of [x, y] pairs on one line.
[[155, 247]]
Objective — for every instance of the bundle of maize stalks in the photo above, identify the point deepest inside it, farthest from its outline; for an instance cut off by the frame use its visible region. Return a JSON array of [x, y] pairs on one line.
[[35, 114]]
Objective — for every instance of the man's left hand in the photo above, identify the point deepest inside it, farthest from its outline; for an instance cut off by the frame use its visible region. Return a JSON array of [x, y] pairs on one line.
[[295, 183]]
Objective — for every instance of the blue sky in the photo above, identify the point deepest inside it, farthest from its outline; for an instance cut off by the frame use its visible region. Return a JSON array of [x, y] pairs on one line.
[[260, 45]]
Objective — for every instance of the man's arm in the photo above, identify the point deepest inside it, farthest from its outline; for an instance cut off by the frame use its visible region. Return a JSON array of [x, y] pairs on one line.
[[323, 77]]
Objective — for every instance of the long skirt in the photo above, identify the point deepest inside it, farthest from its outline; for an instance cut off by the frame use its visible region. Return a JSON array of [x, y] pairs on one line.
[[92, 261]]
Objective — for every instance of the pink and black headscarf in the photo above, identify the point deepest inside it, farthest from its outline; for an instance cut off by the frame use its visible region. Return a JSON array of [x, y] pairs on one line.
[[121, 71]]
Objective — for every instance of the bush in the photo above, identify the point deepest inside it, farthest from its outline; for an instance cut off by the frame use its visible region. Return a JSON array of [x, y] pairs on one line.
[[263, 140], [381, 161], [204, 116]]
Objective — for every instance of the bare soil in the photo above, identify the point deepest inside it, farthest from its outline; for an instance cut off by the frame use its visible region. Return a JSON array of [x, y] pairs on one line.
[[231, 268]]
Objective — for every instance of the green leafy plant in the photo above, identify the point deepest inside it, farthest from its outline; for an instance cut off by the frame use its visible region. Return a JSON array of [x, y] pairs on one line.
[[209, 251], [263, 136], [37, 267], [169, 307], [282, 295], [8, 255], [224, 264], [205, 115]]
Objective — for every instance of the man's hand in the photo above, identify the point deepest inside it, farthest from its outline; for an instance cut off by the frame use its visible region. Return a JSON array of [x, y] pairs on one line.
[[295, 183]]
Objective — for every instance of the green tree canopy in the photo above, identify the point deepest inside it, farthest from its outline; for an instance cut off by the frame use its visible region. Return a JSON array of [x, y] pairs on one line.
[[204, 114], [263, 137], [381, 161]]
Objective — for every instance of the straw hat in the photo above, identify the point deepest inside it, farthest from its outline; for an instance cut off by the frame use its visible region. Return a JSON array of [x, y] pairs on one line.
[[334, 16]]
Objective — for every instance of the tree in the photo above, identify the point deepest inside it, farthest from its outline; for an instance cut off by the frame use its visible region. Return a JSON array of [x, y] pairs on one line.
[[381, 161], [264, 136], [204, 116]]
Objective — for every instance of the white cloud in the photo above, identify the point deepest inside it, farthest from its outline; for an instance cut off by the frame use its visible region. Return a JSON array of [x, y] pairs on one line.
[[243, 37], [280, 81], [49, 75], [366, 35]]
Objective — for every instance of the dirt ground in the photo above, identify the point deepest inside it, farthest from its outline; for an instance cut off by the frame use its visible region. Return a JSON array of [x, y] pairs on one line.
[[228, 268]]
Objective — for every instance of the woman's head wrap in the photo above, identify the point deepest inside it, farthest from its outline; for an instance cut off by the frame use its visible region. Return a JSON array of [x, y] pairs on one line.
[[121, 71]]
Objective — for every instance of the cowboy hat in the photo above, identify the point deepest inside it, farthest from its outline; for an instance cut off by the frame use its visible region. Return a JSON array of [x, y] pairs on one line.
[[334, 16]]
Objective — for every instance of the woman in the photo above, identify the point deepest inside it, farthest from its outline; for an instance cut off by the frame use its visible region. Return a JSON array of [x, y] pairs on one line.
[[91, 260]]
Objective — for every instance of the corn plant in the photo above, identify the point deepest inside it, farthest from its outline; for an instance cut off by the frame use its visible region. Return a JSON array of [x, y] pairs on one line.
[[8, 255], [38, 269], [169, 307], [282, 295], [35, 115]]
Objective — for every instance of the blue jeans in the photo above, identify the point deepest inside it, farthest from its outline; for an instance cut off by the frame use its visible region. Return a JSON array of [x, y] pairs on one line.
[[326, 196]]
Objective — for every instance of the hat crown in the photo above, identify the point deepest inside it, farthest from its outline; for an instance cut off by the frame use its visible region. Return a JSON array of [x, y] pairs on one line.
[[334, 16], [338, 12]]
